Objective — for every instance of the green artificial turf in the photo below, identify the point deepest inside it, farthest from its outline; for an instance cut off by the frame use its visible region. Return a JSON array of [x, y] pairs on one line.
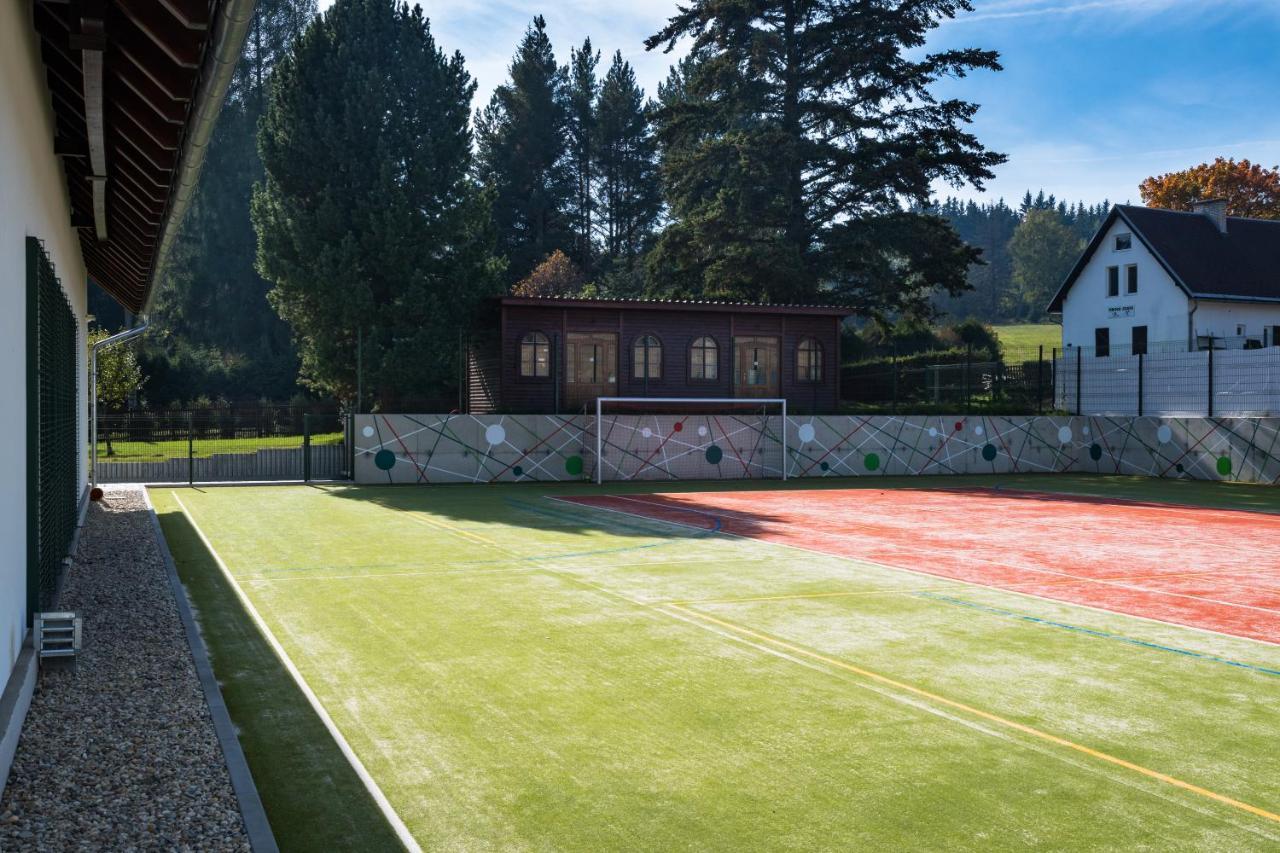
[[156, 451], [519, 673]]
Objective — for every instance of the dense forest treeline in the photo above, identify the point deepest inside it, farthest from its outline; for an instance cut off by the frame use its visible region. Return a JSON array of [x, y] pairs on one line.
[[352, 201]]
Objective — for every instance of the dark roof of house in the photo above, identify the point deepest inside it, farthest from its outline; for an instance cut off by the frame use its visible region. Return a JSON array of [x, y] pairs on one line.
[[1241, 265], [675, 305], [135, 86]]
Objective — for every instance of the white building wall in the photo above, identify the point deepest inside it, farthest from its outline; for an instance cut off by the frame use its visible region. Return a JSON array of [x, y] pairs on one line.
[[33, 201], [1224, 319], [1159, 304]]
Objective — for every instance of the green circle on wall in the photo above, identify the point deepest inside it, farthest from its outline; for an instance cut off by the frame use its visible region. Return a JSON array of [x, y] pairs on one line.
[[714, 454], [989, 452], [871, 461], [1095, 452], [1224, 465], [518, 471], [573, 465], [384, 459], [825, 467], [1180, 468]]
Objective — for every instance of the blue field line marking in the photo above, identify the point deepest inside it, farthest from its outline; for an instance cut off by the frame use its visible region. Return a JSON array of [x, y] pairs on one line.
[[1094, 633]]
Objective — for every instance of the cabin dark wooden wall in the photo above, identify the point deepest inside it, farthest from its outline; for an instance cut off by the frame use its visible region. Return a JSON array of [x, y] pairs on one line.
[[676, 329]]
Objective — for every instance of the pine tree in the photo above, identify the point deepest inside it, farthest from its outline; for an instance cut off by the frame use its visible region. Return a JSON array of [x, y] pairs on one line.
[[628, 192], [801, 127], [580, 99], [521, 156], [214, 333], [368, 222]]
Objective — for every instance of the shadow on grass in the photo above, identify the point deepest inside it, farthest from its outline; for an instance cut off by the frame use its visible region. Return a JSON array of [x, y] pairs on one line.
[[526, 505], [312, 796]]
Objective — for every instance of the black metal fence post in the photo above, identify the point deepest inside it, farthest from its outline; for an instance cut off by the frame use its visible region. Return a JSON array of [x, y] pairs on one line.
[[1053, 377], [1040, 381], [191, 451], [893, 367], [968, 361], [1209, 406], [306, 447], [1141, 379], [1079, 377]]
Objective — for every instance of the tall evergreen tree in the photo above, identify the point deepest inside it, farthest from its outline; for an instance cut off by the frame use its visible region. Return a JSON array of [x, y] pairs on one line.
[[803, 128], [368, 222], [628, 192], [214, 331], [521, 156], [580, 97]]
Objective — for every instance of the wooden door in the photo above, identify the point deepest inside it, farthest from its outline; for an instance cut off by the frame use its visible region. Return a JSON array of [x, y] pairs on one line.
[[756, 369], [591, 368]]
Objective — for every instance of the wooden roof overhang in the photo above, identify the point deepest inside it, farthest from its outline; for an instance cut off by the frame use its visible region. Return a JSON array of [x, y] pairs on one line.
[[135, 86]]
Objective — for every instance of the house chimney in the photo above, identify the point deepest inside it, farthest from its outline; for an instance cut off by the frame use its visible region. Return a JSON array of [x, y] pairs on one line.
[[1215, 209]]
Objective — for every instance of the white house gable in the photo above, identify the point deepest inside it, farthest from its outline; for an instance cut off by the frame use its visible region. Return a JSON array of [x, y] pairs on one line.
[[1121, 288]]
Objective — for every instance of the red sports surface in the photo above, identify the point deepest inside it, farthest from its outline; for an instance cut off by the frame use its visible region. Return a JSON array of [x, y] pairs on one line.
[[1204, 568]]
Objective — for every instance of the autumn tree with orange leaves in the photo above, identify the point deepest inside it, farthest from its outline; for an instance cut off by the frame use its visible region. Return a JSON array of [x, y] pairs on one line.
[[555, 276], [1250, 189]]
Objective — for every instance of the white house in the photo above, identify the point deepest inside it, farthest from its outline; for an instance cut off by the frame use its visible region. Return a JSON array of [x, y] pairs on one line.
[[106, 110], [1155, 280]]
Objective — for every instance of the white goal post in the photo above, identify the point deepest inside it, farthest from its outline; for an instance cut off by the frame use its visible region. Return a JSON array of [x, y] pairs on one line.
[[699, 403]]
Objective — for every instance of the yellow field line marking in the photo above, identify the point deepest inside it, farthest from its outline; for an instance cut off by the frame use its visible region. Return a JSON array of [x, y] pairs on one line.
[[449, 528], [1007, 587], [985, 715]]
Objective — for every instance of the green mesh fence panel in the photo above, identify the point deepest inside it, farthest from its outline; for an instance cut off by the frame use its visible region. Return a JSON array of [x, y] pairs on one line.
[[52, 445]]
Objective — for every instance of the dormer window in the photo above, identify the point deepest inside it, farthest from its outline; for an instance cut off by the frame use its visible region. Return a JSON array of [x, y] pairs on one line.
[[1123, 242]]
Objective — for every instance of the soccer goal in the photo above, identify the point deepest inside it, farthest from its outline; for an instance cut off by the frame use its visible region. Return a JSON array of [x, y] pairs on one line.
[[690, 438]]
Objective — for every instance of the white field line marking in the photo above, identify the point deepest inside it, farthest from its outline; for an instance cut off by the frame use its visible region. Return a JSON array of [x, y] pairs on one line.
[[972, 584], [845, 537], [388, 811]]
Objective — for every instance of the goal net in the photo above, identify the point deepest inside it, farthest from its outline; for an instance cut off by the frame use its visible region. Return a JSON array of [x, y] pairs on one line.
[[665, 438]]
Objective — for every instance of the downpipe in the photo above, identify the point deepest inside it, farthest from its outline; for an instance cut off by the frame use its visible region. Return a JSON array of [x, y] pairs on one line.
[[118, 338]]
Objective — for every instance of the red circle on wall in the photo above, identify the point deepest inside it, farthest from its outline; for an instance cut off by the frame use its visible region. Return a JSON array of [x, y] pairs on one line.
[[678, 427], [959, 426]]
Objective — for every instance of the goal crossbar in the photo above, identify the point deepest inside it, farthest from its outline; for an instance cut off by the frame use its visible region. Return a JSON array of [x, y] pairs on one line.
[[700, 401]]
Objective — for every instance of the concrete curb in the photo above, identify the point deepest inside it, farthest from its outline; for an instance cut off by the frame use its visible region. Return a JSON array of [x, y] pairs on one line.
[[256, 825], [14, 703]]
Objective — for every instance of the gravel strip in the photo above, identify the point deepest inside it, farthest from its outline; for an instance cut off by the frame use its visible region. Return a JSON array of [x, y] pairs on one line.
[[120, 753]]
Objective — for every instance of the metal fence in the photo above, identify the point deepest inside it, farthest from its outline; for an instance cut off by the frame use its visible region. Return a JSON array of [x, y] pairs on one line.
[[223, 445], [960, 380], [1223, 379], [53, 477]]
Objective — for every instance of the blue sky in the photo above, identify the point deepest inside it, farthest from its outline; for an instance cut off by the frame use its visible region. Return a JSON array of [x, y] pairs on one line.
[[1095, 95]]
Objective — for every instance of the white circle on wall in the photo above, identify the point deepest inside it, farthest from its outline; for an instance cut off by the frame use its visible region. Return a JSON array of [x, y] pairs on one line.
[[1086, 431], [367, 432], [702, 431], [933, 432], [978, 430], [646, 432], [495, 434], [806, 433], [1164, 435], [1064, 434]]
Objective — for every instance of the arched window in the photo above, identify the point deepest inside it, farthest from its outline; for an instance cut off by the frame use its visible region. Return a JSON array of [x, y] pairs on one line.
[[646, 358], [809, 361], [535, 355], [704, 358]]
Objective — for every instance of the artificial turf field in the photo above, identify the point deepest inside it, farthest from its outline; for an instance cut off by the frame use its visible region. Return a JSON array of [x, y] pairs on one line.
[[850, 664]]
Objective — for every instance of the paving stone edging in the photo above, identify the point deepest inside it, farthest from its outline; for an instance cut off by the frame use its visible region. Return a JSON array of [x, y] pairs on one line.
[[256, 825]]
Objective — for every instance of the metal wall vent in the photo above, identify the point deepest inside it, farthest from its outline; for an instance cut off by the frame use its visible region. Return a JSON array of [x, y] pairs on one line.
[[57, 634]]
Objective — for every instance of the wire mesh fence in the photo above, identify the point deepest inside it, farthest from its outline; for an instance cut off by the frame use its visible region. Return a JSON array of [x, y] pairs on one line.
[[1238, 376], [1011, 380], [223, 444]]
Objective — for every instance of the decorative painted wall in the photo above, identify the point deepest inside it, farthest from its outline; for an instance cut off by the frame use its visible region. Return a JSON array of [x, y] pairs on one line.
[[519, 448]]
